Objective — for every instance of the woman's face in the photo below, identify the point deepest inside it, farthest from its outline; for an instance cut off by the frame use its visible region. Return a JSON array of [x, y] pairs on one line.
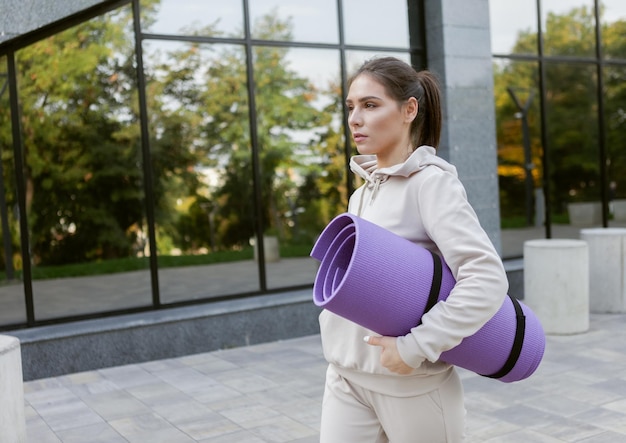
[[379, 125]]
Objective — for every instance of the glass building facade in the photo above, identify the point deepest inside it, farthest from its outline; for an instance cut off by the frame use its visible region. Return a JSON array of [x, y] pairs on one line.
[[160, 153], [145, 144], [560, 97]]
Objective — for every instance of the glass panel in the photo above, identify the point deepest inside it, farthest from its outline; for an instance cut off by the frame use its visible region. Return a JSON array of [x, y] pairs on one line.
[[295, 20], [572, 124], [12, 302], [214, 18], [613, 19], [301, 147], [376, 23], [615, 123], [569, 27], [83, 169], [198, 107], [513, 26], [520, 168]]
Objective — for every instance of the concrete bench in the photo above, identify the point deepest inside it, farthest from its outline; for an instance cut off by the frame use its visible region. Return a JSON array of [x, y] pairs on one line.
[[271, 249], [12, 419], [556, 284], [619, 210], [607, 276], [585, 214]]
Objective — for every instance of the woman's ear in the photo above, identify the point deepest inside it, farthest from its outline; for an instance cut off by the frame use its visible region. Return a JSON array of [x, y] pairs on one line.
[[411, 109]]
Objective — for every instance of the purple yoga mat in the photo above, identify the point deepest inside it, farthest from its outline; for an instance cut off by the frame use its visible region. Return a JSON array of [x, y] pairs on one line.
[[382, 282]]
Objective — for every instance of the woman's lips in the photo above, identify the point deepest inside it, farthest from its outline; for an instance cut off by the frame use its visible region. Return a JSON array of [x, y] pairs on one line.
[[358, 137]]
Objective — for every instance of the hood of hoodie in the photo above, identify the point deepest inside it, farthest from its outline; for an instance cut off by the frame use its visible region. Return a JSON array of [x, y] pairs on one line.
[[366, 166]]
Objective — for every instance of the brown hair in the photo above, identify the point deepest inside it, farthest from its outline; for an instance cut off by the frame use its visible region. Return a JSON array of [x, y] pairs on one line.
[[402, 82]]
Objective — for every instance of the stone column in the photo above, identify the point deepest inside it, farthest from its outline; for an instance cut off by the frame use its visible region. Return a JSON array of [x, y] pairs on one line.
[[458, 46], [556, 284], [12, 419]]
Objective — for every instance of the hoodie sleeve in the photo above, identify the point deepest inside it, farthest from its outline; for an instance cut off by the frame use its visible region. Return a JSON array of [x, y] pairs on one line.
[[481, 282]]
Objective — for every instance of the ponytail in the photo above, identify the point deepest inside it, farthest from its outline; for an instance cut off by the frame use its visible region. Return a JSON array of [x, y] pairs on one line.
[[426, 128], [402, 82]]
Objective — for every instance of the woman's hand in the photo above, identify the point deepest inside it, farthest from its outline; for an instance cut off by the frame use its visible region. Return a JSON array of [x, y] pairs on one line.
[[389, 355]]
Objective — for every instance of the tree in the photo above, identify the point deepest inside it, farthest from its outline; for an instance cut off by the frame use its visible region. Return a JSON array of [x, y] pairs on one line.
[[83, 178], [208, 90], [572, 108], [84, 167]]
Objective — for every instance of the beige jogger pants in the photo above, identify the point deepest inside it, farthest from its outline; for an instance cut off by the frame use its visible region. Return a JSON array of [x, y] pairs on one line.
[[351, 414]]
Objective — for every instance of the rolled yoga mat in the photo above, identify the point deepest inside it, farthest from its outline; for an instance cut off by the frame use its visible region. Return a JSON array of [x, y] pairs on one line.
[[385, 283]]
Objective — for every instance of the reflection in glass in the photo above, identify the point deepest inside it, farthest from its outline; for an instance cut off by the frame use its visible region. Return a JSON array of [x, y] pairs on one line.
[[569, 27], [376, 23], [82, 169], [12, 303], [520, 168], [214, 18], [615, 123], [572, 124], [306, 21], [613, 19], [513, 26], [301, 149], [201, 153]]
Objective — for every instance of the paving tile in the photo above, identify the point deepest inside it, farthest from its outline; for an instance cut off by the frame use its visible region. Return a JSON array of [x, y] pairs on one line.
[[569, 430], [244, 381], [128, 376], [241, 436], [41, 433], [210, 426], [114, 405], [604, 419], [66, 413], [617, 406], [250, 416], [523, 436], [139, 423], [169, 435], [183, 412], [98, 433], [186, 379], [283, 429], [41, 385], [158, 393], [605, 437], [215, 395], [272, 393]]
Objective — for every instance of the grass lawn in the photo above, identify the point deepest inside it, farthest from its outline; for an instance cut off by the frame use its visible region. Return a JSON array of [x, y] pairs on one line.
[[164, 261]]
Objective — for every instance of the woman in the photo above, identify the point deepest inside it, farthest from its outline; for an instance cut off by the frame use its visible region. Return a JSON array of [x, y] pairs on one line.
[[395, 388]]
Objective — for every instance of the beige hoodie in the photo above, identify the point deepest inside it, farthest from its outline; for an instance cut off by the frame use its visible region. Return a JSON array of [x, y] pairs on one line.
[[423, 201]]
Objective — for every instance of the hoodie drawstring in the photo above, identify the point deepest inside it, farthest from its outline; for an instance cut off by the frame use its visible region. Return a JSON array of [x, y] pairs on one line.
[[376, 186]]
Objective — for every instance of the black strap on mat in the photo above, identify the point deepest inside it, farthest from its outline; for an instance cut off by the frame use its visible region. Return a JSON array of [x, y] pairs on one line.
[[520, 328], [516, 349], [435, 286]]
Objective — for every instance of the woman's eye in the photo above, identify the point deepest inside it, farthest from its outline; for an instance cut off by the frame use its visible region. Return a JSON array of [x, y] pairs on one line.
[[370, 105]]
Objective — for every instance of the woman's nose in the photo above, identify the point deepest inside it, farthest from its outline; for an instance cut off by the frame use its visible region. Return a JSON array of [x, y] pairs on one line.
[[354, 119]]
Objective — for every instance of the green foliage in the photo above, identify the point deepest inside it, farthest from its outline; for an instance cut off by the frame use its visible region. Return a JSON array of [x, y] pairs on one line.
[[83, 161], [572, 113]]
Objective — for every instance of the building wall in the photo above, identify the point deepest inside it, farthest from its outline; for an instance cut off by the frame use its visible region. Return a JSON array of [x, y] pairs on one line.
[[20, 17], [459, 51]]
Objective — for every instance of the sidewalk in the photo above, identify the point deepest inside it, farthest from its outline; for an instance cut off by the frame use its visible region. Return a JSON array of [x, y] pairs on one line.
[[272, 393]]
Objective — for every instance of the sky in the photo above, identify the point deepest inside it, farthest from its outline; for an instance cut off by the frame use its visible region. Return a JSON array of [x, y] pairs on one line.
[[312, 22], [508, 17], [317, 22]]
